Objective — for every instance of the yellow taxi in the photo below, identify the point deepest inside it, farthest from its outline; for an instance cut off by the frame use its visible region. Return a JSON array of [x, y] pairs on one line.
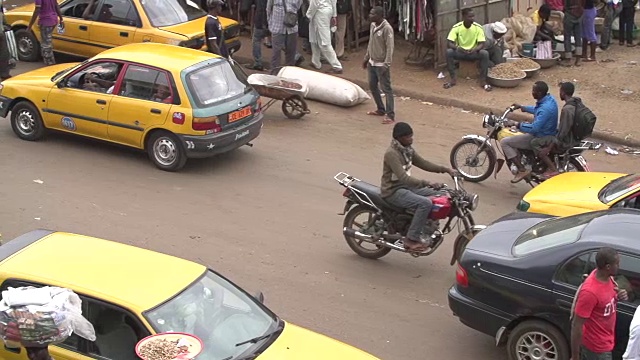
[[173, 104], [88, 32], [129, 293], [574, 193]]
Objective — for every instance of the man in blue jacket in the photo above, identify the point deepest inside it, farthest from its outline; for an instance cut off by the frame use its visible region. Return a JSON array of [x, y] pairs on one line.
[[545, 123]]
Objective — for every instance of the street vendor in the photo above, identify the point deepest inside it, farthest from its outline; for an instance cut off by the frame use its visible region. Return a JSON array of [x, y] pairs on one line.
[[494, 35], [540, 17], [466, 42]]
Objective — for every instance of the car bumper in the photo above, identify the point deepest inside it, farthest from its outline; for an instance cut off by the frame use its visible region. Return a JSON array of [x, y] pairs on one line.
[[209, 145], [476, 315], [5, 102]]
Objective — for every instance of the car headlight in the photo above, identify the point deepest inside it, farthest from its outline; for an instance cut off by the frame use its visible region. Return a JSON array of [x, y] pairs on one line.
[[523, 205], [474, 200]]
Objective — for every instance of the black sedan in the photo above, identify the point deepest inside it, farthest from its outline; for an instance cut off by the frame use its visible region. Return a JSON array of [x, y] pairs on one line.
[[517, 278]]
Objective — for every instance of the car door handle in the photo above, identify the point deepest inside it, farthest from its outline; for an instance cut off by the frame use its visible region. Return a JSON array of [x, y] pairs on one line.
[[82, 27], [124, 34], [13, 350], [101, 102], [156, 111], [564, 304]]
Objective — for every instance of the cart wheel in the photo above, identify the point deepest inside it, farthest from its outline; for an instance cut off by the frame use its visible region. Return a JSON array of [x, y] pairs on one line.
[[294, 107]]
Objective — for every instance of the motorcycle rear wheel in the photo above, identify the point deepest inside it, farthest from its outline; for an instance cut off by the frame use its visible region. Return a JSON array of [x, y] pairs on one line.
[[355, 244], [487, 157]]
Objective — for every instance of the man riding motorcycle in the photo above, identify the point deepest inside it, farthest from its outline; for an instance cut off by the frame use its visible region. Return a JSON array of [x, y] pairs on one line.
[[545, 123], [402, 190]]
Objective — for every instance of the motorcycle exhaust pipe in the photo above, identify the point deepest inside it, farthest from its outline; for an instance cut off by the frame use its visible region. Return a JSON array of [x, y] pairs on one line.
[[369, 238]]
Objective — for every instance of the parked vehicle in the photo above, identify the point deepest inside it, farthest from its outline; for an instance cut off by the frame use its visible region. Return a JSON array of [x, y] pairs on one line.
[[129, 293], [576, 193], [174, 105], [119, 22], [476, 158], [371, 220], [517, 279]]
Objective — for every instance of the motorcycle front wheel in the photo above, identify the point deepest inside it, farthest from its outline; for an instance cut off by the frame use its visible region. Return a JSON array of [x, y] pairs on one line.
[[473, 165], [360, 219]]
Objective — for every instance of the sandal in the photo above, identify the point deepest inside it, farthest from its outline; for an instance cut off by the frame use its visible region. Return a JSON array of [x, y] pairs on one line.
[[375, 113], [448, 85], [589, 60], [487, 88], [388, 120]]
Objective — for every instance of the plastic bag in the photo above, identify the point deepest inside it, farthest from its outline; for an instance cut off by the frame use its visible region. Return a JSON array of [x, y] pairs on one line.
[[42, 322], [543, 50]]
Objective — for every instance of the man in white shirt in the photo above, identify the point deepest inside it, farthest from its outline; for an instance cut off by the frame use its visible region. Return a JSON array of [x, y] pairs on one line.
[[633, 346]]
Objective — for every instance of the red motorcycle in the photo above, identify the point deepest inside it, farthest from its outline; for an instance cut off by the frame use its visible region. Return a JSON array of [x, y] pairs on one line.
[[370, 220]]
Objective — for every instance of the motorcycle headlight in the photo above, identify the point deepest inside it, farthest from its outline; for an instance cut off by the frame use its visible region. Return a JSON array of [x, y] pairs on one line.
[[474, 199]]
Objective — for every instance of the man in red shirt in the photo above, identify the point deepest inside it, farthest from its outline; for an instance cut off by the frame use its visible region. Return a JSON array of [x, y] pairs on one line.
[[594, 318]]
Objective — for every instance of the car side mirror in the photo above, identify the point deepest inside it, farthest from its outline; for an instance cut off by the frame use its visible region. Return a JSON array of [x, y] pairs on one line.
[[259, 296], [62, 83]]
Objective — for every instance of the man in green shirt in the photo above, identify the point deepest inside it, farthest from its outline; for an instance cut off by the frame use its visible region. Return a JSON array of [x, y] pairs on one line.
[[466, 43]]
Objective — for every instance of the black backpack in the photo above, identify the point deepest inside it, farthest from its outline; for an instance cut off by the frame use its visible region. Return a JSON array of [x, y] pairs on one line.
[[583, 122]]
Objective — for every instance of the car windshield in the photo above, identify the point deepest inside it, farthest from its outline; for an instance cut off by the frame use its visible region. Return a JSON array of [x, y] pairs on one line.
[[217, 312], [217, 82], [551, 233], [619, 187], [171, 12]]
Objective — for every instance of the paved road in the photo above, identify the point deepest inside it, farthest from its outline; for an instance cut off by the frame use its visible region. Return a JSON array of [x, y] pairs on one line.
[[266, 217]]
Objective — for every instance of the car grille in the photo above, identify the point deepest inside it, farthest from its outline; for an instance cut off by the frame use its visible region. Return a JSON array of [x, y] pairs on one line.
[[232, 32]]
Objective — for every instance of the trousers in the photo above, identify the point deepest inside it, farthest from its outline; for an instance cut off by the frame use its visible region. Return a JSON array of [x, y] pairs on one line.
[[417, 200]]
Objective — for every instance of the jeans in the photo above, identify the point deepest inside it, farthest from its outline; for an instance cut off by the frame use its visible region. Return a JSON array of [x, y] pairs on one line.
[[5, 56], [256, 43], [627, 16], [572, 27], [510, 144], [381, 75], [482, 55], [286, 42], [586, 354], [609, 15], [417, 200], [46, 44]]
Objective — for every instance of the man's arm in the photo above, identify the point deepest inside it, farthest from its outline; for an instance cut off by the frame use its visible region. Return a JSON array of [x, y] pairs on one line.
[[212, 37], [59, 12], [480, 39], [585, 304], [394, 161], [541, 118], [389, 42], [452, 38], [566, 121], [36, 13], [426, 165], [528, 109], [576, 337]]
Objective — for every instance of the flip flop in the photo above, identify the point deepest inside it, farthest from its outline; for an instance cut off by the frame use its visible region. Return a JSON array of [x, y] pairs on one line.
[[448, 85], [487, 88], [375, 113], [388, 121], [589, 60]]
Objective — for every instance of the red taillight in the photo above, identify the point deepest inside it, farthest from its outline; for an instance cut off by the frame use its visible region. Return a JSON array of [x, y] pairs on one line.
[[461, 276], [346, 192], [206, 123]]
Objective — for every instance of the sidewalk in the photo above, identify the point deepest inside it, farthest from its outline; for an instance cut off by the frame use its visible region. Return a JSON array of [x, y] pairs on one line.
[[600, 84]]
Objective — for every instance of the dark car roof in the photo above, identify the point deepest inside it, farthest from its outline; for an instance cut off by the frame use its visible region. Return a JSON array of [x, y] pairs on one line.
[[618, 228]]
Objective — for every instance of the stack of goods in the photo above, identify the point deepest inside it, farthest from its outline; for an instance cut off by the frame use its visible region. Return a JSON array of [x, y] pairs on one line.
[[41, 316], [416, 19], [520, 30]]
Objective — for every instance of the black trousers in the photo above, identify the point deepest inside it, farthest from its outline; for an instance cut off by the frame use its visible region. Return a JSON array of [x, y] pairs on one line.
[[627, 16]]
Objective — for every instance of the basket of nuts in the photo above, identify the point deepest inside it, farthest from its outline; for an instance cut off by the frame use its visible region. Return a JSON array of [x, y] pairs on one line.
[[169, 346], [505, 75]]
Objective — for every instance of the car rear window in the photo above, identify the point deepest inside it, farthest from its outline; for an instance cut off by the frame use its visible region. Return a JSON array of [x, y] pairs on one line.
[[216, 83], [552, 233], [171, 12], [619, 187]]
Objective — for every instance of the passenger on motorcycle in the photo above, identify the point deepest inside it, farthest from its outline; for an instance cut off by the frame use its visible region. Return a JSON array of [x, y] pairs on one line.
[[564, 140], [402, 190], [545, 123]]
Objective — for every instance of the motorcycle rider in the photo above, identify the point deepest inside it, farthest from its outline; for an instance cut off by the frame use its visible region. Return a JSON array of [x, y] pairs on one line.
[[545, 123], [402, 190]]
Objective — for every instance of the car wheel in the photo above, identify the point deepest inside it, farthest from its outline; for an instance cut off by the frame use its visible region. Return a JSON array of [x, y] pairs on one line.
[[537, 340], [28, 45], [166, 151], [26, 121]]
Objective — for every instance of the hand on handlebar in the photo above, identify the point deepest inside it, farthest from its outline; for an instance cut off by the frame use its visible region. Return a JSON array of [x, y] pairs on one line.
[[437, 186], [453, 173], [516, 106]]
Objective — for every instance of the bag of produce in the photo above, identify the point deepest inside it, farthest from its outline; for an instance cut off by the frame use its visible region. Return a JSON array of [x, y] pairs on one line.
[[41, 316]]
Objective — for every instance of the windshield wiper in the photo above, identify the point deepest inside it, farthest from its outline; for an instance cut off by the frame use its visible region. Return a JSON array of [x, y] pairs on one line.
[[261, 337]]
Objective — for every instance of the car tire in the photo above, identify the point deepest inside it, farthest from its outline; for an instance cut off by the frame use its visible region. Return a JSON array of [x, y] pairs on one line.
[[28, 45], [26, 121], [527, 337], [166, 151]]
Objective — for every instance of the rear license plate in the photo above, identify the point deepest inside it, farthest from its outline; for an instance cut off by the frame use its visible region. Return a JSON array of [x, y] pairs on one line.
[[240, 114]]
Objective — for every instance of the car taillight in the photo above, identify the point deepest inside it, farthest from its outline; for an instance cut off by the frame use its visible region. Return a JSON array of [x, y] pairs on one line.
[[461, 276], [346, 192], [206, 123]]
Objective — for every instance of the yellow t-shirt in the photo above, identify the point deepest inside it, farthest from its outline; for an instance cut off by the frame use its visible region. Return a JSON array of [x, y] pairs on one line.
[[536, 18], [466, 38]]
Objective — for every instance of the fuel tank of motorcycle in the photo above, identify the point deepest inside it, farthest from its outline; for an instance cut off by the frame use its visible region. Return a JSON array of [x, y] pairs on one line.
[[507, 132], [441, 207]]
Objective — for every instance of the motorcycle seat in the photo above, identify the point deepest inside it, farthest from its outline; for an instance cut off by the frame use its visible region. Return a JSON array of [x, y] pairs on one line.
[[374, 194]]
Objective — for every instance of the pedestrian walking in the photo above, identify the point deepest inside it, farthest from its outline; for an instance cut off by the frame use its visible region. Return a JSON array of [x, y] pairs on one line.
[[611, 12], [344, 11], [377, 61], [5, 54], [213, 29], [48, 14], [627, 22], [283, 24], [303, 26], [594, 310], [259, 32], [633, 345], [322, 15], [572, 23], [589, 38]]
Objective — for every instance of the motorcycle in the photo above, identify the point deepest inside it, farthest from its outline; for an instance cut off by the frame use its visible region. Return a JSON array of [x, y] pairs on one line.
[[482, 153], [384, 225]]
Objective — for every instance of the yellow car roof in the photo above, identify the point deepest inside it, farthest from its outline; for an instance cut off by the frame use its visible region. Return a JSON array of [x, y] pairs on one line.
[[164, 56], [130, 276]]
